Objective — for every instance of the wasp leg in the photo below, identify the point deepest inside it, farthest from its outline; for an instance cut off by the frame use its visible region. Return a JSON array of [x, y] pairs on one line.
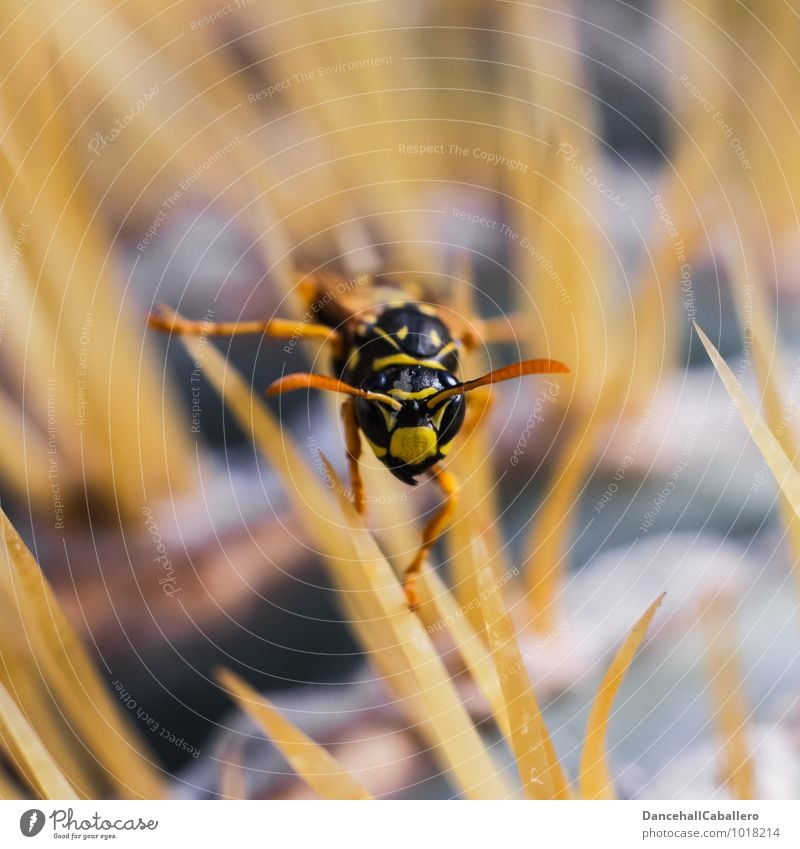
[[448, 483], [170, 321], [352, 438]]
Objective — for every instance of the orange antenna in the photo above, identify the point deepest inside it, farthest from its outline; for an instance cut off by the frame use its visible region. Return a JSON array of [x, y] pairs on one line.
[[304, 380], [499, 375]]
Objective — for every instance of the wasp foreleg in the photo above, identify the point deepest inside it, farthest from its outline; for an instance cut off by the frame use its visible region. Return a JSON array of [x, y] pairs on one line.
[[168, 320], [442, 519], [352, 438]]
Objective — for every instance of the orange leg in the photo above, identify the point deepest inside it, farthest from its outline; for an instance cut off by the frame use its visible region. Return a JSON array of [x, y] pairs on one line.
[[352, 438], [438, 524], [168, 320]]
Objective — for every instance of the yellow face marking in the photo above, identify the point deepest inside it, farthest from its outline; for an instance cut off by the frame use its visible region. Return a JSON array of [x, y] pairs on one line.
[[403, 360], [425, 309], [436, 338], [378, 450], [414, 396], [450, 346], [413, 445], [398, 305], [436, 418], [402, 333]]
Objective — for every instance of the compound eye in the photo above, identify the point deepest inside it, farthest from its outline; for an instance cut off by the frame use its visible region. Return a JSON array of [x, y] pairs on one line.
[[448, 380], [449, 417], [378, 382]]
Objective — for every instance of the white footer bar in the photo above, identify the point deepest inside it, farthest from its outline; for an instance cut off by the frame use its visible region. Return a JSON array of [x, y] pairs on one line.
[[401, 825]]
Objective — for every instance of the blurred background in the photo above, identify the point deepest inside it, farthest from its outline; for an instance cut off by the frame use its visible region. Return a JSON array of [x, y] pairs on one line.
[[606, 173]]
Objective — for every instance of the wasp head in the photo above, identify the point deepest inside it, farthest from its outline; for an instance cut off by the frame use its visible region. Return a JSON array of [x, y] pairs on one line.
[[416, 432]]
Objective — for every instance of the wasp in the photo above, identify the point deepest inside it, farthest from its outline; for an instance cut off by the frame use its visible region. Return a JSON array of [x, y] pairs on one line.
[[396, 362]]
